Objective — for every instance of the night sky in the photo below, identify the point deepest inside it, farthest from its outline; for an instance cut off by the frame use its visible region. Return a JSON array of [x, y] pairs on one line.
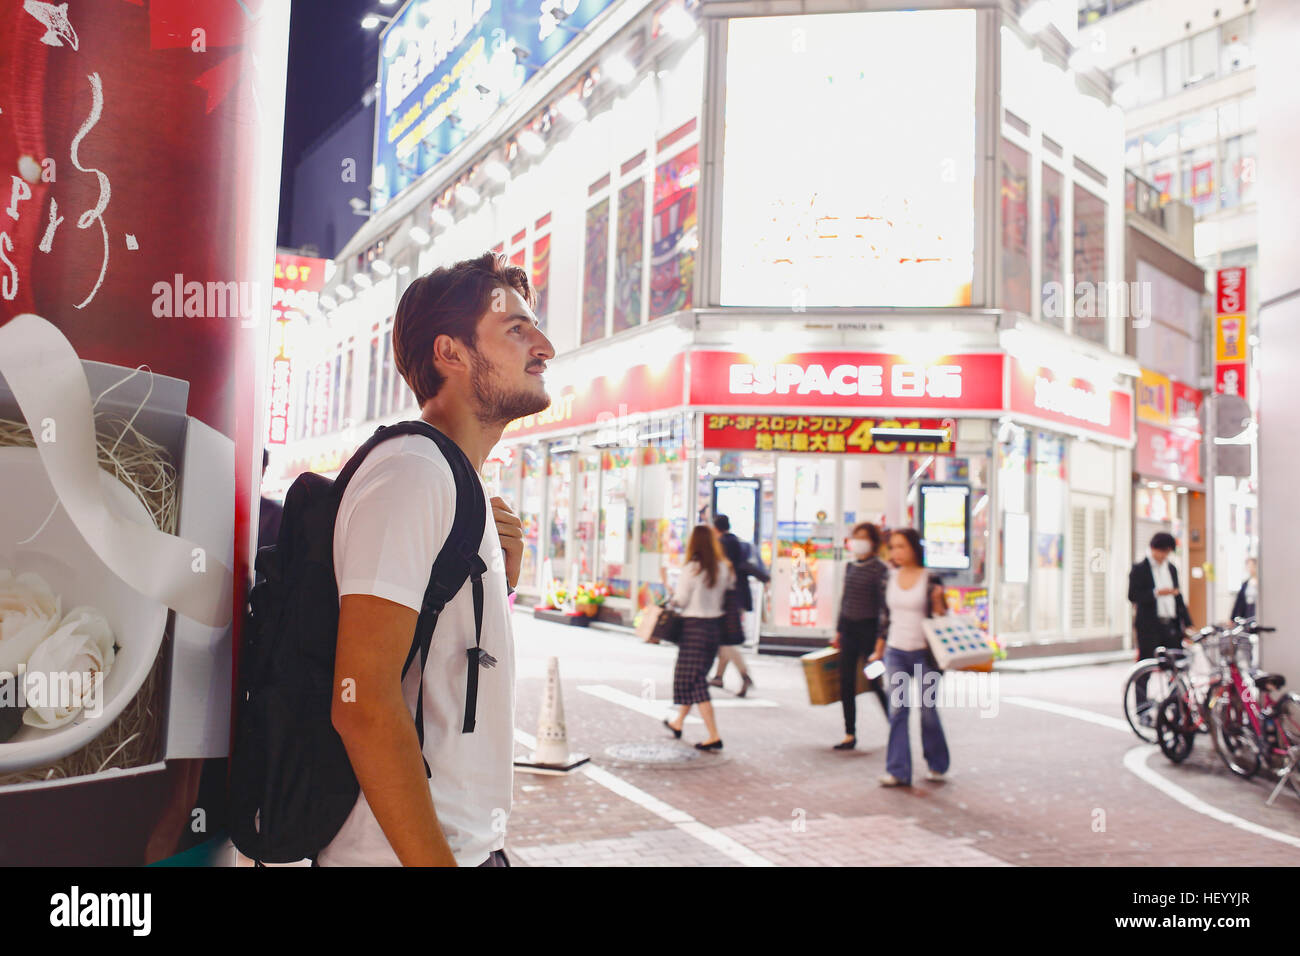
[[331, 61]]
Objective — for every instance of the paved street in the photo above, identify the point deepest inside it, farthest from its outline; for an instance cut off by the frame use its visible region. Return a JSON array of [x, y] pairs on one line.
[[1044, 773]]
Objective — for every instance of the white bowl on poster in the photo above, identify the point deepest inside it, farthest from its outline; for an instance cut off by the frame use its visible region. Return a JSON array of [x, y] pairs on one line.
[[75, 573]]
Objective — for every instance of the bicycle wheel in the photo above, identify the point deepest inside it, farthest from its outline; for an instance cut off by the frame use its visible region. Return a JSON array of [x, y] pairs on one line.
[[1143, 719], [1175, 729], [1234, 739]]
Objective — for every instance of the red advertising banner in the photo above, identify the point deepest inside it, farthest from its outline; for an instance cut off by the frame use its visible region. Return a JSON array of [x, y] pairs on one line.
[[1185, 407], [1230, 290], [141, 145], [1045, 394], [830, 434], [1167, 454], [846, 380], [1230, 378], [640, 389]]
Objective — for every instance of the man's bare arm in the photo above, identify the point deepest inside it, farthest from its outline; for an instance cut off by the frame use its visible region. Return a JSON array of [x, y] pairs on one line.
[[377, 730]]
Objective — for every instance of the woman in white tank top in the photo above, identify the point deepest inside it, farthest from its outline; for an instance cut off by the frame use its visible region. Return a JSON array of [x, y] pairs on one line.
[[910, 597]]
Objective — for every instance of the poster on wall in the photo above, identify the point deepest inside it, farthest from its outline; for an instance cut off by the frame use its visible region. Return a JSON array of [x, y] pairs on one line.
[[945, 525], [628, 246], [541, 276], [848, 199], [674, 234], [135, 299], [1015, 228], [595, 269]]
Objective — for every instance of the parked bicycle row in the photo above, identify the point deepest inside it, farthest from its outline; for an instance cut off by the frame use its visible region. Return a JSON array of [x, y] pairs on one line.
[[1210, 685]]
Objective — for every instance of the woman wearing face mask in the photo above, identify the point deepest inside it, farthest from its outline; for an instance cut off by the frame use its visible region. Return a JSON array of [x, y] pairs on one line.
[[855, 632]]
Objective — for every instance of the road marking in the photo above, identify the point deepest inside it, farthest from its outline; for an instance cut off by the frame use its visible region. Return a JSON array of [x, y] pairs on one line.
[[658, 709], [1078, 713], [1135, 761], [678, 818]]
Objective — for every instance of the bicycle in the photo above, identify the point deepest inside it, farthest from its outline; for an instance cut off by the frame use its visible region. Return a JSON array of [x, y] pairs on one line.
[[1160, 673], [1184, 711], [1253, 722]]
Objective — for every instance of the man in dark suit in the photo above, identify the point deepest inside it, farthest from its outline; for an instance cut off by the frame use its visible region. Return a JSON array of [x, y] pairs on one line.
[[747, 564], [1159, 612]]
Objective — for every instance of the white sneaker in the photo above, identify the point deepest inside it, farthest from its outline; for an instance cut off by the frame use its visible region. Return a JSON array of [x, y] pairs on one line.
[[889, 780], [933, 775]]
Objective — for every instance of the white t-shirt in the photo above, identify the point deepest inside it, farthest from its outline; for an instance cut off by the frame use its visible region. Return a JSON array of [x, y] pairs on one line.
[[694, 596], [907, 612], [395, 515]]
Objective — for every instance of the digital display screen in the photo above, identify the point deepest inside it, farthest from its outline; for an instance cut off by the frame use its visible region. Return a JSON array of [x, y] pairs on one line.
[[945, 526], [737, 498], [848, 166]]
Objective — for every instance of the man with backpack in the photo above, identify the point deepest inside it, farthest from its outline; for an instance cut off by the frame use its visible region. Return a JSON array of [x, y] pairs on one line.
[[467, 343], [341, 772]]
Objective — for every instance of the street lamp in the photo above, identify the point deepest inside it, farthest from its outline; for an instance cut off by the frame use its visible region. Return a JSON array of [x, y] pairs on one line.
[[372, 20]]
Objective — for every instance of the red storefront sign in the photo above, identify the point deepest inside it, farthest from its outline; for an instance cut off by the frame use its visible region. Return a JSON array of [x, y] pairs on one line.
[[1045, 394], [607, 398], [1171, 455], [828, 434], [1185, 407], [278, 420], [1230, 287], [846, 380]]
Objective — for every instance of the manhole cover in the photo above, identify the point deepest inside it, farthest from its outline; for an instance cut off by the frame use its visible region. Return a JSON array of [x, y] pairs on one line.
[[661, 756]]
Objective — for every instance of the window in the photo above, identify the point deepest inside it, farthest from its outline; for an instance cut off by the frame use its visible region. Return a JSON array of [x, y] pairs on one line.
[[1049, 531], [1015, 228], [1163, 174], [1197, 129], [1239, 159], [1199, 179], [1237, 46], [1203, 56], [1150, 77], [386, 377], [1161, 142], [372, 380], [1089, 265], [1053, 234], [1175, 67]]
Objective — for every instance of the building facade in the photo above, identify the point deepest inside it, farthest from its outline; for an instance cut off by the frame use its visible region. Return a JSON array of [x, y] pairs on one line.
[[762, 309]]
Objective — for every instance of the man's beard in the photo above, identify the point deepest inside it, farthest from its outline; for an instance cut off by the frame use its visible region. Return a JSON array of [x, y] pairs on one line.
[[497, 405]]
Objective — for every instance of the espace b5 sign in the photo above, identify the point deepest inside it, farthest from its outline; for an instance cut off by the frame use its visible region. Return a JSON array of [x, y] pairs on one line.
[[848, 379]]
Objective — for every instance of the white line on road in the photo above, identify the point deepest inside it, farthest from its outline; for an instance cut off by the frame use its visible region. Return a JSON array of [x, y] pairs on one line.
[[679, 818], [1077, 713], [1135, 761], [653, 707]]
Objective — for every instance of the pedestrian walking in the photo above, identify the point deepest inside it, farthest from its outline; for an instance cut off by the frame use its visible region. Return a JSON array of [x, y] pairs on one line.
[[467, 343], [861, 606], [739, 602], [699, 597], [1159, 614], [1248, 595], [911, 595]]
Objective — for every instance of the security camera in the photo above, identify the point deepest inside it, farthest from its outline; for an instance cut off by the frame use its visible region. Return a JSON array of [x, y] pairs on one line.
[[522, 53]]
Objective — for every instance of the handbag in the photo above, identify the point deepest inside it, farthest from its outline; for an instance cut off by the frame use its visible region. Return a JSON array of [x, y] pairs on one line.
[[645, 625], [732, 630], [667, 627]]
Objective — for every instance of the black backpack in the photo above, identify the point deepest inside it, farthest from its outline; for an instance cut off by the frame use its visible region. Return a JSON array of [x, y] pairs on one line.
[[291, 783]]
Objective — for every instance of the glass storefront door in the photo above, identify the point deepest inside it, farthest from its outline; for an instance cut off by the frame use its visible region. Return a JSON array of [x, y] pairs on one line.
[[805, 578]]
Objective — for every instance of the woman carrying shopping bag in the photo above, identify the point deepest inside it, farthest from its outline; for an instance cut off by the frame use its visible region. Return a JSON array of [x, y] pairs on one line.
[[910, 597], [699, 597]]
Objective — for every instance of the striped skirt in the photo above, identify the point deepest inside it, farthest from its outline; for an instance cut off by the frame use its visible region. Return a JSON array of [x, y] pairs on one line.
[[695, 654]]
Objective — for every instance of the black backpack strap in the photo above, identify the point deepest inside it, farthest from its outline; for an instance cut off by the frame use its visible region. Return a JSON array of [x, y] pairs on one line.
[[458, 560]]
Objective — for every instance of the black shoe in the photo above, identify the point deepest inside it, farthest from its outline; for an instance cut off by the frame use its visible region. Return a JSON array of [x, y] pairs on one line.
[[676, 733], [715, 681], [746, 683], [716, 745], [846, 744]]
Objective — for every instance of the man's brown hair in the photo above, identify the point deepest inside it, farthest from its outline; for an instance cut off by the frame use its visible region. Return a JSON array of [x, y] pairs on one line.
[[448, 301]]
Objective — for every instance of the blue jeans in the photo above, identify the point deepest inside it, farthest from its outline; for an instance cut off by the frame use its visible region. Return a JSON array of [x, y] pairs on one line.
[[902, 669]]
